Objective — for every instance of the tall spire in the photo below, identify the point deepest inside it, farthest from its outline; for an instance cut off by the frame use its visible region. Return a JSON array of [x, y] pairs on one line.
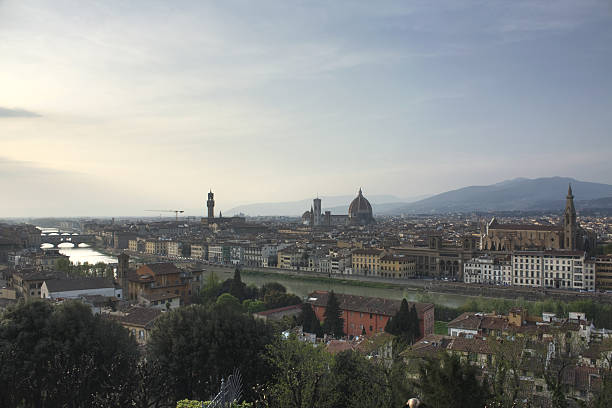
[[569, 191], [360, 191]]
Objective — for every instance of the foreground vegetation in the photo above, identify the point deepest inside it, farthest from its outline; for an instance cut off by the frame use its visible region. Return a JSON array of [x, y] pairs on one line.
[[63, 356]]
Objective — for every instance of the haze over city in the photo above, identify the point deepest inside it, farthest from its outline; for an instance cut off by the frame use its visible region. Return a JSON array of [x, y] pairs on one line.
[[112, 107]]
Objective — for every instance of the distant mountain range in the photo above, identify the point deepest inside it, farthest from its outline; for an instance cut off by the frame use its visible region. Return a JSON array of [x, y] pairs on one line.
[[335, 204], [520, 194]]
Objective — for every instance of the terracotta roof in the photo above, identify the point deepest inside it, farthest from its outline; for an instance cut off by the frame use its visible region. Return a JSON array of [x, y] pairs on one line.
[[473, 345], [380, 306], [430, 344], [338, 346], [279, 310], [140, 316], [160, 268]]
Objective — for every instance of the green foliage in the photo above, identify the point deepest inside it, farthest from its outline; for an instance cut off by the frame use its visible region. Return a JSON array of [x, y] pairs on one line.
[[271, 287], [237, 287], [300, 374], [63, 356], [357, 382], [253, 305], [100, 270], [227, 302], [276, 299], [446, 382], [210, 291], [310, 323], [441, 328], [333, 323], [196, 346], [405, 324]]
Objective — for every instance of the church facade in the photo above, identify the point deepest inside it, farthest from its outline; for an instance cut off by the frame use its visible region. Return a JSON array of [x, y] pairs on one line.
[[519, 237]]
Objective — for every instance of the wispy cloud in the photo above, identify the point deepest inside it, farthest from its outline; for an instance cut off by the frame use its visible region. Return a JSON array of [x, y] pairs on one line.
[[17, 113]]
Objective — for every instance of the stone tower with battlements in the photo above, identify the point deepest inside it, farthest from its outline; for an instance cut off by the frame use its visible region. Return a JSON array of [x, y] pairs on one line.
[[210, 203]]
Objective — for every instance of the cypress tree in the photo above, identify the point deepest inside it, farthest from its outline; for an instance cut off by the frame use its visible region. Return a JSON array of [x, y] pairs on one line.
[[405, 323], [310, 323], [415, 328], [333, 323], [237, 287]]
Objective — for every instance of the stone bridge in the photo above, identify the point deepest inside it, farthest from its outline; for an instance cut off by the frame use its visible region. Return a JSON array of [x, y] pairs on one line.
[[74, 239]]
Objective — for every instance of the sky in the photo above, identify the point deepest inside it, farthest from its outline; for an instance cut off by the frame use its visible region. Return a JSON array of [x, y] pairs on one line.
[[113, 107]]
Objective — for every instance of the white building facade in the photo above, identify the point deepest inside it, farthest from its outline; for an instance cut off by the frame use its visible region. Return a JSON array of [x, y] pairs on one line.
[[553, 269], [486, 269]]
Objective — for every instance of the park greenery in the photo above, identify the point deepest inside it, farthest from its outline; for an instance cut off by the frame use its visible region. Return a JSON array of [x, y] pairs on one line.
[[252, 299]]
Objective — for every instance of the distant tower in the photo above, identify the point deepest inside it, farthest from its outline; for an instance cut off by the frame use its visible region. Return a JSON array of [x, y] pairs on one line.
[[317, 211], [211, 205], [123, 268], [570, 226]]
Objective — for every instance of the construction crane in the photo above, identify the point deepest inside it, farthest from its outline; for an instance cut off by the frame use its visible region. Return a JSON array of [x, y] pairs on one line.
[[176, 212]]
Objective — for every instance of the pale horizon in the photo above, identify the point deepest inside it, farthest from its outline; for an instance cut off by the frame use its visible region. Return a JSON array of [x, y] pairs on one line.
[[110, 108]]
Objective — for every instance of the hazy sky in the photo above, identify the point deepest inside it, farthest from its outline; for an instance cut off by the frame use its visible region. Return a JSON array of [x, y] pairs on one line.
[[113, 107]]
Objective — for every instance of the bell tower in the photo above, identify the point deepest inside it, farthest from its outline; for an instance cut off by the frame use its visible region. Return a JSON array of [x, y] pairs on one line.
[[123, 269], [210, 203], [570, 226]]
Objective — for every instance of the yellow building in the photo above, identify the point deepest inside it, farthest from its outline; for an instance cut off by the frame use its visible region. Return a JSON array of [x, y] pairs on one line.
[[366, 261], [290, 258], [397, 266], [603, 273]]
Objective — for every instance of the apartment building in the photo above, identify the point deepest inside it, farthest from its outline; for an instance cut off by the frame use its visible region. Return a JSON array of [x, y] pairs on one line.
[[553, 269], [486, 269]]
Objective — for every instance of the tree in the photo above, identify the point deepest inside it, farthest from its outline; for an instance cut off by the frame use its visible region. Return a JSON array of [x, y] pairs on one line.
[[446, 382], [333, 323], [271, 287], [237, 287], [63, 356], [196, 347], [506, 369], [274, 300], [405, 324], [229, 303], [210, 291], [300, 374], [310, 322], [357, 382], [63, 265]]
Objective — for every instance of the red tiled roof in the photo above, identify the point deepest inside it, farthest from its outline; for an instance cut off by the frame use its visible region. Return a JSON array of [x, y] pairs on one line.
[[364, 304]]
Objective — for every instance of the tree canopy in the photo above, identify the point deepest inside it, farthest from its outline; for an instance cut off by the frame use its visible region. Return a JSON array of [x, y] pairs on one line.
[[63, 356], [333, 323], [196, 346]]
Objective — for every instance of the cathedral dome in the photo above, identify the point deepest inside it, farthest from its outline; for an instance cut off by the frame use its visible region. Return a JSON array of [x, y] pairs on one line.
[[360, 210]]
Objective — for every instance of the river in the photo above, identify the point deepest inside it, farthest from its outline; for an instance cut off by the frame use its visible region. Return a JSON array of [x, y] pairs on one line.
[[81, 254], [304, 287]]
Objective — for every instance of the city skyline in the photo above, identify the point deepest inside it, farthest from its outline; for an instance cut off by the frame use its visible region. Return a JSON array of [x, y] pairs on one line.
[[112, 108]]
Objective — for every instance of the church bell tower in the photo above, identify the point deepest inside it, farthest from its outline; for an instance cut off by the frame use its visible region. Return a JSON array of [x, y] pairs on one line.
[[570, 226], [210, 203]]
